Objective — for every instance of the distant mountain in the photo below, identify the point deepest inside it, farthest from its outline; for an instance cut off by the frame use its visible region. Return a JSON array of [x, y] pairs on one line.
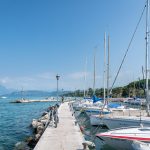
[[35, 93], [4, 90], [54, 93]]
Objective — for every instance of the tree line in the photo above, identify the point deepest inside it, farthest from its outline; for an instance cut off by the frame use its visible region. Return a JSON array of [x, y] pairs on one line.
[[133, 89]]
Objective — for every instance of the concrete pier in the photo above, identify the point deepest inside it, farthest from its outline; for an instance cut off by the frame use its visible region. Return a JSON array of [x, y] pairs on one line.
[[67, 135]]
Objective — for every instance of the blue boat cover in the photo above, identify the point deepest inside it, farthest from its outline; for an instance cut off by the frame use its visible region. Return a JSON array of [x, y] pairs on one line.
[[87, 97], [96, 99], [113, 105]]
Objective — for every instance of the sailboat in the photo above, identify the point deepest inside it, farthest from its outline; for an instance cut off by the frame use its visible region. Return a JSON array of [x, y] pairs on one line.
[[125, 121], [86, 101], [94, 105], [125, 138], [98, 119], [98, 107]]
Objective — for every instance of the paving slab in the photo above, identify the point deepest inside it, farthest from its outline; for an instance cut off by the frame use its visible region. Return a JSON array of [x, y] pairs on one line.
[[67, 135]]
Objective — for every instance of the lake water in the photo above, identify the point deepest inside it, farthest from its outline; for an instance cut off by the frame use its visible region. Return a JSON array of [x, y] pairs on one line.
[[15, 120]]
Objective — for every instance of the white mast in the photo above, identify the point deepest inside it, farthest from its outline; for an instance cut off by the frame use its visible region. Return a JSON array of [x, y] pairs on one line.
[[108, 70], [85, 77], [146, 63], [94, 73], [104, 65], [22, 93]]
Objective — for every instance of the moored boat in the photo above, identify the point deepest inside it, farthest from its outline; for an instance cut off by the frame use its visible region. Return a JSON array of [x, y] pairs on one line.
[[122, 139], [118, 118]]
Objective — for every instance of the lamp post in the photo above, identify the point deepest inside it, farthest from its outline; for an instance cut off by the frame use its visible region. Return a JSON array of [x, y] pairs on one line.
[[57, 77]]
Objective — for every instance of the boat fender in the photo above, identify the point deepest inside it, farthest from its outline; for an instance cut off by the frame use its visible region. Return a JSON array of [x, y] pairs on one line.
[[82, 129], [90, 144], [85, 146]]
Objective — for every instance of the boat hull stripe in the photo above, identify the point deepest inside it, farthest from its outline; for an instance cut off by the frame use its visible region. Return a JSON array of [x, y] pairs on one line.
[[124, 137]]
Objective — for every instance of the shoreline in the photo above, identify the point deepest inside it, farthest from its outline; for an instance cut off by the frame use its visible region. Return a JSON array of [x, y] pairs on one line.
[[38, 127]]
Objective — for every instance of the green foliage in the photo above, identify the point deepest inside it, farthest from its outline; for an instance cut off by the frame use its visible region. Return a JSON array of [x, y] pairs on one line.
[[135, 88]]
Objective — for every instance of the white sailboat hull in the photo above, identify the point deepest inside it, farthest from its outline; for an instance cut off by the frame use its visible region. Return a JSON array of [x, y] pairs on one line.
[[127, 138], [118, 144], [77, 108], [90, 112], [123, 121], [96, 120]]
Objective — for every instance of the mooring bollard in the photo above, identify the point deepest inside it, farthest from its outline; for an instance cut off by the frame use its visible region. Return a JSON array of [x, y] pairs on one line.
[[85, 146], [75, 123]]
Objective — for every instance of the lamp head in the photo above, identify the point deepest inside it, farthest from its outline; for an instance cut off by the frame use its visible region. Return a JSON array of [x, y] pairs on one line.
[[57, 77]]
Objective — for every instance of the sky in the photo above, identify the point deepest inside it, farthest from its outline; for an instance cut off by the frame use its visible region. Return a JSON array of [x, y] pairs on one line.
[[42, 38]]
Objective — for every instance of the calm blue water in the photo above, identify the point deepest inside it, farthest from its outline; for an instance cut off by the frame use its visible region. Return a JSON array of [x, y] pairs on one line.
[[15, 120]]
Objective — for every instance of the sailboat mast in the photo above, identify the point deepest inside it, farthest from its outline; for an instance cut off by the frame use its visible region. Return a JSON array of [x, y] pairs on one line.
[[108, 69], [94, 73], [22, 97], [104, 66], [146, 63], [85, 77]]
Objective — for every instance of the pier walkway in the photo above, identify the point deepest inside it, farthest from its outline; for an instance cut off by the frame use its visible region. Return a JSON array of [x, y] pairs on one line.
[[67, 135]]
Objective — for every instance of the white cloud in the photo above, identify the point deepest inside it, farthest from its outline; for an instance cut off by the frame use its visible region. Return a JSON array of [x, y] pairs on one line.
[[47, 75], [5, 80]]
